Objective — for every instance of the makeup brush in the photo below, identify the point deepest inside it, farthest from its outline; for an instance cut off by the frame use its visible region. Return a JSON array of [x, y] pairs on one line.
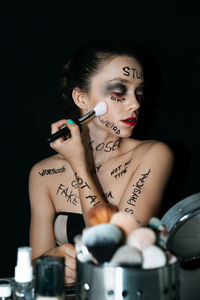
[[102, 240], [125, 222], [141, 238], [99, 110], [171, 258], [101, 213], [155, 223], [82, 251], [126, 256], [161, 232], [153, 257]]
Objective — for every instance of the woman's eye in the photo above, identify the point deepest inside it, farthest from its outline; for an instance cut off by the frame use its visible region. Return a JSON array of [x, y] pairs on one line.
[[139, 97], [118, 94]]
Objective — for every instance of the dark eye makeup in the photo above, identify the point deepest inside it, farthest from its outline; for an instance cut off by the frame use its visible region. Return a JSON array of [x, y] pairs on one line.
[[117, 90], [140, 98], [139, 93]]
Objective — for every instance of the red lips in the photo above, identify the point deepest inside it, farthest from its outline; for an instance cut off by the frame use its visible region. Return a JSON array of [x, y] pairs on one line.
[[130, 121]]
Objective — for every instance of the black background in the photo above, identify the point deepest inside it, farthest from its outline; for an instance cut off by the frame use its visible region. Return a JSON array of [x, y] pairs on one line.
[[36, 40]]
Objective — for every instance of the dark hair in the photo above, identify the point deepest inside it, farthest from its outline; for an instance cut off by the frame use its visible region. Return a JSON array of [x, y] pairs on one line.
[[87, 62]]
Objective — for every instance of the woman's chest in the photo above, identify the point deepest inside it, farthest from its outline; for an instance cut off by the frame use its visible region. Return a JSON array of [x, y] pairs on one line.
[[114, 178], [111, 180]]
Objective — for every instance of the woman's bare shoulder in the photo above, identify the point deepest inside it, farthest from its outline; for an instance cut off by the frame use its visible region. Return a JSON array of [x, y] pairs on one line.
[[143, 148], [48, 164], [134, 144]]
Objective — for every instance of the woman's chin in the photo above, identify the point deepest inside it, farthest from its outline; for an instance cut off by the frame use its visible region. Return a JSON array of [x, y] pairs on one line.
[[126, 133]]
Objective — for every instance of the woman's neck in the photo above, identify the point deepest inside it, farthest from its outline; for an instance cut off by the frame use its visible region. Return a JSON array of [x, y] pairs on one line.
[[100, 145]]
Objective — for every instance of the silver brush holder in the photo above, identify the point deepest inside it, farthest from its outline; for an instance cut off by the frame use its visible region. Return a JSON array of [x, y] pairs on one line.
[[101, 282]]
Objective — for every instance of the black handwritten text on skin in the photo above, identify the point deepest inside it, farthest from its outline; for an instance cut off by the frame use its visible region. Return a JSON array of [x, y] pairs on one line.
[[68, 194], [120, 100], [79, 182], [120, 170], [96, 170], [137, 189], [109, 124], [110, 146], [92, 198], [52, 171], [107, 196], [133, 72]]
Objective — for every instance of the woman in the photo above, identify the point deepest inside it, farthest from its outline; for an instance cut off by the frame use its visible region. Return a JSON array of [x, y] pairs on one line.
[[100, 163]]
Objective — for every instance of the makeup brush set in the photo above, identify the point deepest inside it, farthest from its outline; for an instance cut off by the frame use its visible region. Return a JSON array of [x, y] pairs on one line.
[[117, 258]]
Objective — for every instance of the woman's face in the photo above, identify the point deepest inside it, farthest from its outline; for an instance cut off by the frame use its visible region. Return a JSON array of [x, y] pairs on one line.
[[120, 85]]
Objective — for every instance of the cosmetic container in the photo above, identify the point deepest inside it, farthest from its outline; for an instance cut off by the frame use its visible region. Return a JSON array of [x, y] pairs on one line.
[[5, 291], [49, 278], [102, 282], [23, 288]]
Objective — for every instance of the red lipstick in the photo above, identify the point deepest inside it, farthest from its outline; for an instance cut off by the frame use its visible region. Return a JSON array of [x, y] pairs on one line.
[[130, 121]]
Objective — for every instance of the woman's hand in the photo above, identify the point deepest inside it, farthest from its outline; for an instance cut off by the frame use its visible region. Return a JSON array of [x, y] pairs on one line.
[[67, 251], [70, 148]]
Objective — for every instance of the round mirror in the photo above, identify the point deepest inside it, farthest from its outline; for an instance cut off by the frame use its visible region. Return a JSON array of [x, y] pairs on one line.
[[183, 224]]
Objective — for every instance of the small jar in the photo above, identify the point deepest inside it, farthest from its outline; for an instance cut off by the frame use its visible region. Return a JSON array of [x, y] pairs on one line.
[[5, 291], [49, 278]]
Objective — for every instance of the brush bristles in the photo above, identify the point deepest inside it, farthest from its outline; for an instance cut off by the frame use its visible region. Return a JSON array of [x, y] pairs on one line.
[[141, 238], [121, 241], [100, 108], [126, 256], [125, 222], [101, 234], [102, 241], [153, 257], [101, 214]]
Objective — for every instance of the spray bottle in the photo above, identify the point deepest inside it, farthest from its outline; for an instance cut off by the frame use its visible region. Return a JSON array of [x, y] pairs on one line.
[[23, 280]]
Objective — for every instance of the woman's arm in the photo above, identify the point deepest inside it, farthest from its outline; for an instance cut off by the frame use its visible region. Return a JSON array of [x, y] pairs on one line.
[[42, 239], [42, 215], [144, 192], [73, 151]]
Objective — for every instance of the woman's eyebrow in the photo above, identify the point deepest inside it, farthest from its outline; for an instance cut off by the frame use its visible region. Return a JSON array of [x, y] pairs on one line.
[[122, 80], [119, 79], [140, 86]]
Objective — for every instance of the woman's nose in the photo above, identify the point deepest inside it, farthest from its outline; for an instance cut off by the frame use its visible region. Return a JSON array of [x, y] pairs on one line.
[[133, 103]]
